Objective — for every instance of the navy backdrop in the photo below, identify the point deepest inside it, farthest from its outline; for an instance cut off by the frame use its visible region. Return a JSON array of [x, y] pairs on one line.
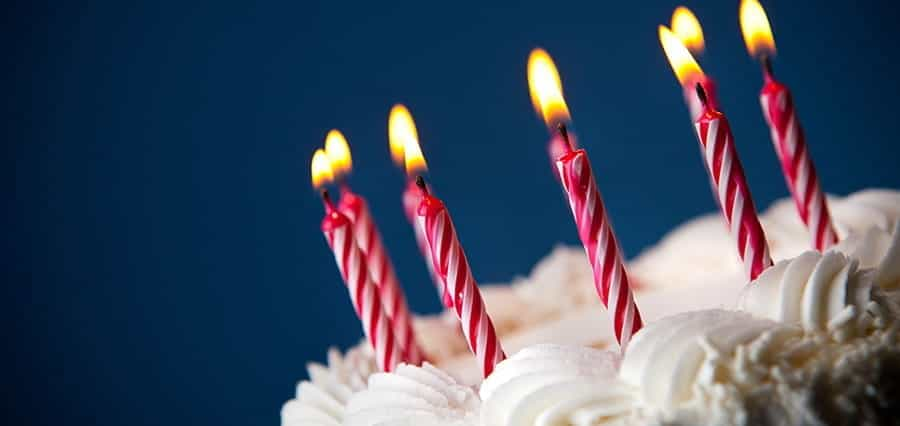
[[165, 264]]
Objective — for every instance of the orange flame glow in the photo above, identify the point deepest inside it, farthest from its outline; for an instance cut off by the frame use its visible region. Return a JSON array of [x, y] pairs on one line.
[[681, 60], [545, 87], [401, 132], [686, 26], [338, 153], [321, 169], [756, 29]]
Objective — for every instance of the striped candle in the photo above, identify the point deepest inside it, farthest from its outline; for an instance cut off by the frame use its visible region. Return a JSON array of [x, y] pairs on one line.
[[412, 197], [381, 271], [452, 266], [796, 162], [732, 190], [600, 244], [351, 262]]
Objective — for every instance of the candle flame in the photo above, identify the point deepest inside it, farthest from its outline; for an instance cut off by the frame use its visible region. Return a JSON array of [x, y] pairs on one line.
[[546, 88], [413, 158], [756, 29], [686, 26], [321, 169], [338, 153], [681, 60], [401, 132]]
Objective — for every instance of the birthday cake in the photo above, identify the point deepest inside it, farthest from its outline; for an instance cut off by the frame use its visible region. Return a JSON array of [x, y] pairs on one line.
[[813, 340]]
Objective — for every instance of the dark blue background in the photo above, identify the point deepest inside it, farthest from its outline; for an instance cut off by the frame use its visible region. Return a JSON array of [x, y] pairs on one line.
[[165, 262]]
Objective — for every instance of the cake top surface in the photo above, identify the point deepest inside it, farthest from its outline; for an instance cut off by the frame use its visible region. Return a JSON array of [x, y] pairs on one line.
[[811, 337]]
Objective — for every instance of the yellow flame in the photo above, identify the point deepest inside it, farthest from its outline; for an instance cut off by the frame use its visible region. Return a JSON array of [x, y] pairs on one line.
[[413, 158], [756, 29], [546, 88], [686, 26], [401, 132], [321, 169], [338, 153], [684, 65]]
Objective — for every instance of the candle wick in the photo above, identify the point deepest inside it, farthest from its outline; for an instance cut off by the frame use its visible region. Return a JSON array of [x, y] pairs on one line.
[[326, 199], [420, 182], [564, 133], [701, 93], [767, 66]]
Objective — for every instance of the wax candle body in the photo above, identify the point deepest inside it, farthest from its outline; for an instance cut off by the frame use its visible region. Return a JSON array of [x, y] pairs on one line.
[[796, 162], [600, 244], [732, 191], [412, 197], [382, 273], [451, 265], [351, 262]]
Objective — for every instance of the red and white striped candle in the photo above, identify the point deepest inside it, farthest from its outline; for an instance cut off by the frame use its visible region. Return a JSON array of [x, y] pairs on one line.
[[573, 169], [796, 162], [732, 190], [451, 264], [787, 135], [600, 243], [381, 271], [351, 262], [412, 197]]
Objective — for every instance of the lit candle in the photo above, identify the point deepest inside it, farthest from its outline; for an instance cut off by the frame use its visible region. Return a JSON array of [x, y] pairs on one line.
[[402, 133], [351, 262], [724, 167], [576, 176], [787, 135], [453, 268], [543, 78], [368, 239], [686, 27]]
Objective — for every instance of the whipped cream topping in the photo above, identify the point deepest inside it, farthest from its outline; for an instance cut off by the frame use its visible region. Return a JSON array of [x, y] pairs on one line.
[[814, 290], [877, 249], [729, 367], [321, 399], [668, 359], [549, 385], [413, 396]]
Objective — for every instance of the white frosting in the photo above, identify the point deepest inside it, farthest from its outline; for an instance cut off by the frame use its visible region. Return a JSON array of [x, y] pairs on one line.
[[549, 385], [729, 367], [321, 399], [814, 290], [413, 396], [879, 250], [702, 247], [668, 358]]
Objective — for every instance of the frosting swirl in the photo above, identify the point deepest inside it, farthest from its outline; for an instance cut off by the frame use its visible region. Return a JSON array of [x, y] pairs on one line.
[[668, 359], [321, 399], [554, 385], [817, 291], [413, 396]]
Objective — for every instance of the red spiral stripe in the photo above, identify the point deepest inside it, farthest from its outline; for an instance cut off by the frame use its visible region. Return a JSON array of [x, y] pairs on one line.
[[452, 266], [727, 174], [363, 293], [796, 164], [600, 244]]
